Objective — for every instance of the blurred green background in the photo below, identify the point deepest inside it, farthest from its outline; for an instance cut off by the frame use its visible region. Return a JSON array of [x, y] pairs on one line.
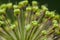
[[52, 4]]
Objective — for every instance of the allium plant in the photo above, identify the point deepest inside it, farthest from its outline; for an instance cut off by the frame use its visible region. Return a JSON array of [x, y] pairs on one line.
[[24, 21]]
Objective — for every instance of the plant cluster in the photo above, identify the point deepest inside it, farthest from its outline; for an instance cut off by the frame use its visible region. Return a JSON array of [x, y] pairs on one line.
[[23, 21]]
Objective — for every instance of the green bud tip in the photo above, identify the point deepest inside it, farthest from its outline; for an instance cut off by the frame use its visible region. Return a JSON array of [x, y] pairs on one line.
[[34, 3], [44, 32], [2, 11], [35, 8], [28, 8], [34, 23], [55, 25], [16, 11], [9, 5], [15, 6], [28, 27], [44, 8], [13, 26], [3, 6]]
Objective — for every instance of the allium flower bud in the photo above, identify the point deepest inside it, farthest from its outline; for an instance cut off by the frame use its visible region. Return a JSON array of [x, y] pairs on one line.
[[2, 11], [55, 25], [44, 32], [16, 11], [34, 23], [25, 2], [57, 17], [35, 8], [49, 14], [54, 21], [34, 3], [28, 27], [3, 6], [38, 13], [28, 8], [9, 5], [44, 8], [13, 26], [15, 6]]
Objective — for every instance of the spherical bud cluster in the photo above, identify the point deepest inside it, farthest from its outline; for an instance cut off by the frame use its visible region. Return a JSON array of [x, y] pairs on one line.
[[57, 17]]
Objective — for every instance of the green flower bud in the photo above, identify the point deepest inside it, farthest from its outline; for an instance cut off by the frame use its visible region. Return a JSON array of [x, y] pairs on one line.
[[47, 13], [28, 27], [16, 11], [9, 5], [3, 6], [55, 25], [54, 21], [1, 23], [44, 8], [28, 8], [34, 3], [52, 14], [35, 8], [2, 11], [15, 6], [13, 26], [34, 23], [38, 13], [25, 2], [20, 4], [57, 17], [44, 32]]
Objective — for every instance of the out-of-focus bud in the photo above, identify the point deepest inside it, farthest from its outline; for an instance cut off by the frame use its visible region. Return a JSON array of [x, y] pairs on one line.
[[9, 5], [12, 26], [38, 13], [34, 3], [35, 8], [16, 11], [28, 9], [28, 26], [22, 4], [15, 6], [34, 23], [3, 6], [57, 17], [44, 8], [2, 11], [44, 32]]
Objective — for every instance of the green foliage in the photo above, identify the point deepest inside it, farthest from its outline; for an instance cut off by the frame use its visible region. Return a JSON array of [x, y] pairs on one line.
[[23, 21]]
